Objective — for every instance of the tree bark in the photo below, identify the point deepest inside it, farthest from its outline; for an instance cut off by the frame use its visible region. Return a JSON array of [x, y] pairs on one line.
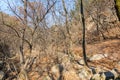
[[22, 61], [68, 36], [83, 34]]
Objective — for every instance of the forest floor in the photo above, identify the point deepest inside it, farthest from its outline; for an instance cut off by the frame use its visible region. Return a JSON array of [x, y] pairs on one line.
[[111, 61], [109, 47]]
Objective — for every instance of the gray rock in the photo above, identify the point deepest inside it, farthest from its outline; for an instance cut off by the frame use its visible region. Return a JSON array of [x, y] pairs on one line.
[[119, 62], [98, 57], [115, 73], [70, 75], [85, 74], [56, 71], [81, 61], [98, 77], [47, 78], [108, 75], [2, 74]]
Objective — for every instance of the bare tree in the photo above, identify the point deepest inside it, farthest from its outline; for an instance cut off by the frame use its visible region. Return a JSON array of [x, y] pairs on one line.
[[36, 19], [102, 18]]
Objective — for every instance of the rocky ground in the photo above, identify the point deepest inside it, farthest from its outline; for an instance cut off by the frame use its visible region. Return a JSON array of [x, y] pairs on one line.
[[103, 59], [105, 54]]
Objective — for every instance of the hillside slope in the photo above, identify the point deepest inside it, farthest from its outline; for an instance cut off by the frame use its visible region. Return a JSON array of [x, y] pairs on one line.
[[111, 48]]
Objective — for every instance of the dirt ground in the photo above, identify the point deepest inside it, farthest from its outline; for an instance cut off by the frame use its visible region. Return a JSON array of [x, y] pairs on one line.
[[111, 48]]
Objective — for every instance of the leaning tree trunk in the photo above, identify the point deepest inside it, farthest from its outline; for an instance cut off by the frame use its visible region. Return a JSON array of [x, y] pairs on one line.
[[83, 34]]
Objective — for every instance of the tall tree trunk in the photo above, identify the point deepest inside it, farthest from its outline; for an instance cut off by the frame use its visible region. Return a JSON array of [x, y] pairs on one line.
[[23, 73], [22, 61], [83, 34]]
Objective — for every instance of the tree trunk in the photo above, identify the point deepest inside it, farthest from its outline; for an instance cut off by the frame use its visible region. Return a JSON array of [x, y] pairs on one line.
[[23, 73], [22, 61], [68, 36], [83, 35]]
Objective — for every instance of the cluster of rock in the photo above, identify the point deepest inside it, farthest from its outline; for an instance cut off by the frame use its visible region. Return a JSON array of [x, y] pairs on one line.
[[72, 70], [68, 70]]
